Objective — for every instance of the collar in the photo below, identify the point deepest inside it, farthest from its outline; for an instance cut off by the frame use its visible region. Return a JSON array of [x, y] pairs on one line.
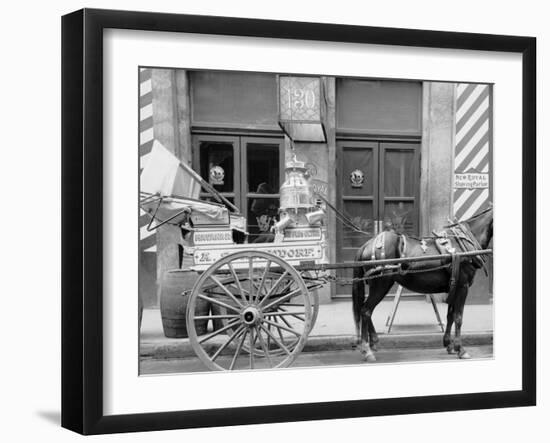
[[478, 260]]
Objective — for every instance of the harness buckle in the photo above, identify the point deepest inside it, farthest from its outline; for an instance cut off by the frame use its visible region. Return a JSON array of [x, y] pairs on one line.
[[423, 245]]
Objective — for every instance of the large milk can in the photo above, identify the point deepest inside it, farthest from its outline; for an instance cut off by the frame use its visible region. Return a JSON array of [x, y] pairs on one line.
[[296, 191]]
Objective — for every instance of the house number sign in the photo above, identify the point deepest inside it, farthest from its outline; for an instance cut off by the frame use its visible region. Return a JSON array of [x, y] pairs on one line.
[[299, 98]]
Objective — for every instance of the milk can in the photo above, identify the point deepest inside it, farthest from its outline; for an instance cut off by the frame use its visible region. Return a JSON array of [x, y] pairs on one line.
[[296, 191]]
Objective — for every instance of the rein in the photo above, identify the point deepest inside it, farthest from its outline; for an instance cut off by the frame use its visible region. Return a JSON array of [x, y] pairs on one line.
[[346, 220], [462, 225], [479, 214], [471, 238]]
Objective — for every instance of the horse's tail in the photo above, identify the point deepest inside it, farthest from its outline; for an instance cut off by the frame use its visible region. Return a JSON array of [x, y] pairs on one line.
[[358, 291]]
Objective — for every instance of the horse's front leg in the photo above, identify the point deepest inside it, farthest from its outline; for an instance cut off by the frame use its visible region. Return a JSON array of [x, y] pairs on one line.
[[373, 336], [357, 341], [366, 350], [447, 342], [458, 316]]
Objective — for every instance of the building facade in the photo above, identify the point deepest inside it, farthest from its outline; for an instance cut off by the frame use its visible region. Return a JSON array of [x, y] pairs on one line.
[[404, 154]]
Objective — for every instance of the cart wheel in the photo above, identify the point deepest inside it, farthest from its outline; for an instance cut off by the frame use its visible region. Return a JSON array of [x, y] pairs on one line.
[[314, 303], [264, 306]]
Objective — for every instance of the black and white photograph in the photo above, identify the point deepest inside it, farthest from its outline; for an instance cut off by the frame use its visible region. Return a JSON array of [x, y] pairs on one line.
[[275, 221], [292, 220]]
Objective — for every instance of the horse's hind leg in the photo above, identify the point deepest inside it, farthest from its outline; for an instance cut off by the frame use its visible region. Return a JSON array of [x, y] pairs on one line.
[[366, 350], [458, 313], [447, 342], [378, 289]]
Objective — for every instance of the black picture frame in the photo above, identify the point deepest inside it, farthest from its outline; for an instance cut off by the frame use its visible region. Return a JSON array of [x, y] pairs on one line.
[[82, 263]]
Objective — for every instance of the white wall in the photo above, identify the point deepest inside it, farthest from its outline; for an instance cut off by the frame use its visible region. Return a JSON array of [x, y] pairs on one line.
[[30, 175]]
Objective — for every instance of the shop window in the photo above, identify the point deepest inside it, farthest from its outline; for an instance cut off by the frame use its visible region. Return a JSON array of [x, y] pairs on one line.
[[248, 172]]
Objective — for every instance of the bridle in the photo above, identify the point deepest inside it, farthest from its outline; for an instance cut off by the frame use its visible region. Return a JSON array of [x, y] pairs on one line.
[[473, 217], [469, 236]]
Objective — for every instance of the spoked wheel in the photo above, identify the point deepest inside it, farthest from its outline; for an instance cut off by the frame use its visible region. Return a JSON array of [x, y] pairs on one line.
[[262, 308]]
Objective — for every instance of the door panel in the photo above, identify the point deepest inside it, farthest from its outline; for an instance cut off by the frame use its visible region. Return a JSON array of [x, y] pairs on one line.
[[378, 189], [261, 180], [248, 171], [400, 215], [218, 155], [399, 173], [358, 186], [215, 158], [362, 159], [262, 167], [361, 213]]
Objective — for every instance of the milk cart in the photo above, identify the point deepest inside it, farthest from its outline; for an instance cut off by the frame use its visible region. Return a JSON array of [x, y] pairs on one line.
[[262, 296]]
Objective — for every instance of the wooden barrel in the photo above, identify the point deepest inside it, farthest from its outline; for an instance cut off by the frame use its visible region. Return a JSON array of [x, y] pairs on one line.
[[217, 310], [176, 288]]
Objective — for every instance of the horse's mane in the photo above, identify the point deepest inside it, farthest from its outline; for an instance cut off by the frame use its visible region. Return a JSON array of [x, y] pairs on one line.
[[473, 217]]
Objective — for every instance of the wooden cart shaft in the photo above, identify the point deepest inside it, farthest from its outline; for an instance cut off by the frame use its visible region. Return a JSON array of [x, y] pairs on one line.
[[389, 261]]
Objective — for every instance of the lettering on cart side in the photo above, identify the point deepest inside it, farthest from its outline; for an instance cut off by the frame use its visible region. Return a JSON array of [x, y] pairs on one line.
[[284, 253], [302, 234], [213, 237]]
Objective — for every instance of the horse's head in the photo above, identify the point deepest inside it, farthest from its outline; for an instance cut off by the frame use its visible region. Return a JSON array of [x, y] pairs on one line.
[[481, 225]]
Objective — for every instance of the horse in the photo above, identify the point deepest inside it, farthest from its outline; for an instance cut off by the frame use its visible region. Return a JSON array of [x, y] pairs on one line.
[[446, 275]]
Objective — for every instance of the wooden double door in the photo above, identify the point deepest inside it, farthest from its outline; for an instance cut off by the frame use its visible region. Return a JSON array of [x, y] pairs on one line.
[[378, 188], [248, 171]]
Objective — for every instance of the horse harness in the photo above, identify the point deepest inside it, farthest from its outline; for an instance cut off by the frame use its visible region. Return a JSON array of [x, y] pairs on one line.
[[380, 245], [460, 232], [465, 241]]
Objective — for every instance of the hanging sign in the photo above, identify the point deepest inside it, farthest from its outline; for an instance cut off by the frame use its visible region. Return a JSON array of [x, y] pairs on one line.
[[471, 181], [217, 174], [302, 108], [357, 178]]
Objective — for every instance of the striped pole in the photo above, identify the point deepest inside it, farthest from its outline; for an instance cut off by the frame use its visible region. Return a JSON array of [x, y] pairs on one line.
[[472, 149], [147, 240]]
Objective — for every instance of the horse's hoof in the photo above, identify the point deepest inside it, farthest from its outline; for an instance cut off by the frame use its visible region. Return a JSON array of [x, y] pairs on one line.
[[464, 355], [370, 358], [374, 347], [451, 349]]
